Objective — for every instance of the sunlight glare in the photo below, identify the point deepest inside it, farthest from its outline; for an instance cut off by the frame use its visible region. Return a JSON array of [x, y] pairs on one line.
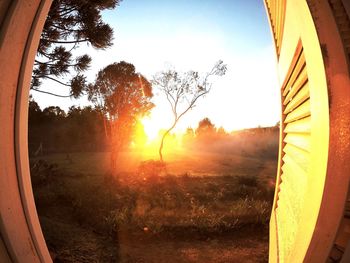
[[151, 128]]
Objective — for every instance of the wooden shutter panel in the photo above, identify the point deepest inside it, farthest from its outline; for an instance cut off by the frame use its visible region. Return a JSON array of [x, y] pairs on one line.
[[276, 10], [295, 155], [309, 219]]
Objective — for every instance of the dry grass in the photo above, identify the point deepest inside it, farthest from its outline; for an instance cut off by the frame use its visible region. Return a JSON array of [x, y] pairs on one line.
[[197, 197]]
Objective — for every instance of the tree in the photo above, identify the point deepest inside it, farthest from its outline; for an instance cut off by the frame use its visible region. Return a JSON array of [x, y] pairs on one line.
[[34, 112], [80, 129], [84, 128], [182, 91], [53, 112], [123, 95], [221, 131], [69, 24], [205, 128]]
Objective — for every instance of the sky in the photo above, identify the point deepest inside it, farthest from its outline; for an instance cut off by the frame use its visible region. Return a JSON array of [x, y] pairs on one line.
[[193, 35]]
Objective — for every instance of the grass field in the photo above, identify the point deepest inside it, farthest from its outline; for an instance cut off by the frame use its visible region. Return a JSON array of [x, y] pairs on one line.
[[202, 207]]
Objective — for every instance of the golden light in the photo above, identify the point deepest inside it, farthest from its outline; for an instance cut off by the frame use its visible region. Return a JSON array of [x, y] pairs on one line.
[[151, 127], [143, 145], [147, 138], [140, 138]]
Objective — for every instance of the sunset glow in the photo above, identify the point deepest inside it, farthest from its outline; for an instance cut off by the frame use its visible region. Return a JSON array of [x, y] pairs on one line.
[[151, 127], [194, 41]]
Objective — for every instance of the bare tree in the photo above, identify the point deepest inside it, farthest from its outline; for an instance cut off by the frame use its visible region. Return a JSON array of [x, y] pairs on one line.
[[182, 90]]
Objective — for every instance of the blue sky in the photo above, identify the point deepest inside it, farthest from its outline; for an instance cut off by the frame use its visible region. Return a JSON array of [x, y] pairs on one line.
[[194, 35]]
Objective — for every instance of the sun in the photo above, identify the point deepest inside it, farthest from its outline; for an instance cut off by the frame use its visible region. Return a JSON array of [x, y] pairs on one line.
[[151, 128]]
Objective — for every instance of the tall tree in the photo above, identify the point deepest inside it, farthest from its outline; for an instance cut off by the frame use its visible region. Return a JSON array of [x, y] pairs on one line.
[[182, 91], [69, 24], [123, 95]]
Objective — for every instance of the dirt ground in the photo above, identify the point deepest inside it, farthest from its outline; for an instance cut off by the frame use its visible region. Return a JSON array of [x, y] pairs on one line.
[[82, 245], [71, 242], [246, 246]]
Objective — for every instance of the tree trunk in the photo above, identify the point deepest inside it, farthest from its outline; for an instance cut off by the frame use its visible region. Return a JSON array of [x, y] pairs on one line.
[[161, 147], [162, 141], [113, 161]]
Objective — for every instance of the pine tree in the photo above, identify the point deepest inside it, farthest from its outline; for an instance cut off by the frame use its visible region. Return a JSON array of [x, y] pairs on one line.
[[69, 24]]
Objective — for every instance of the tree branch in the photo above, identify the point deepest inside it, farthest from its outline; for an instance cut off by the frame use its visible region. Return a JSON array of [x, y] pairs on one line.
[[66, 42], [47, 77], [192, 104], [65, 29], [49, 93], [170, 102], [49, 56], [51, 64], [67, 11]]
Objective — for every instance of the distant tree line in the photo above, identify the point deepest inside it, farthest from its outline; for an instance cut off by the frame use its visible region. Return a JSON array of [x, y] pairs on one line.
[[261, 142], [54, 130], [84, 130]]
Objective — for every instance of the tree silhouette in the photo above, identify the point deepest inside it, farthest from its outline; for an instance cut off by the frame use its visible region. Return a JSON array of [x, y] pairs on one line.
[[205, 127], [54, 112], [182, 91], [123, 96], [34, 112], [80, 129], [69, 24]]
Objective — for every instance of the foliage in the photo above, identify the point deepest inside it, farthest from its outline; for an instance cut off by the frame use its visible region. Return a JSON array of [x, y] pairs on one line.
[[42, 171], [205, 128], [69, 24], [123, 95], [80, 129], [183, 90]]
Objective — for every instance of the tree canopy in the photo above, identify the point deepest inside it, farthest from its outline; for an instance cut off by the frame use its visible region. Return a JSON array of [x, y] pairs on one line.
[[205, 127], [69, 24], [123, 95]]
